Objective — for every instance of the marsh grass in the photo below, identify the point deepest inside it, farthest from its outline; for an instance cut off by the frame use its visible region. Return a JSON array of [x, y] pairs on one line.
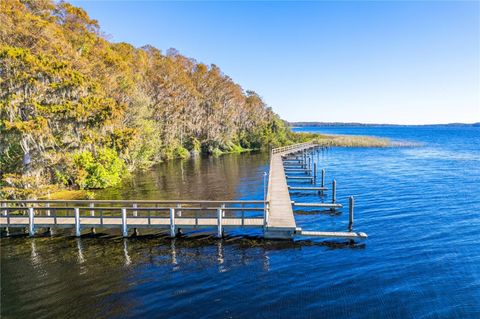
[[353, 141]]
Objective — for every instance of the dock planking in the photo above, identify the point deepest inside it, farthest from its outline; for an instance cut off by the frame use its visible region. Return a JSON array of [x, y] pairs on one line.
[[281, 219]]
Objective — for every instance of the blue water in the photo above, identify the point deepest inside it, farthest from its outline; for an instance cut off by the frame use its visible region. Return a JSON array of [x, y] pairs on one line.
[[421, 209], [419, 205]]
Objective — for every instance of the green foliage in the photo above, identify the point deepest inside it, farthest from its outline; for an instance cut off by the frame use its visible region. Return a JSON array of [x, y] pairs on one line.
[[101, 170], [181, 152]]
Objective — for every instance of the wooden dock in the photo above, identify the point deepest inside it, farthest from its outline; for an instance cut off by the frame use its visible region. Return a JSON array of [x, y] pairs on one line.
[[274, 215], [281, 221]]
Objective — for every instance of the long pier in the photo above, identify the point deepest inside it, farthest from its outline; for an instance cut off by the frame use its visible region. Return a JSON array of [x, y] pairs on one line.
[[274, 216]]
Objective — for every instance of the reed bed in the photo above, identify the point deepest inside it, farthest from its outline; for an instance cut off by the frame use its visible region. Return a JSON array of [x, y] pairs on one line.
[[354, 141]]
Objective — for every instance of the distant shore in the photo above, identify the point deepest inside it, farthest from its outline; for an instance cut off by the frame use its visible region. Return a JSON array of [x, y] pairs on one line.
[[304, 124]]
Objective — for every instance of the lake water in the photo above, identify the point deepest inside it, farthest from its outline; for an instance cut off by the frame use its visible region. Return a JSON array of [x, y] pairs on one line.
[[419, 205]]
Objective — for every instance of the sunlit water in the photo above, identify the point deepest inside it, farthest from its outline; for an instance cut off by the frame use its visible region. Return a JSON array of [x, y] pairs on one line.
[[420, 207]]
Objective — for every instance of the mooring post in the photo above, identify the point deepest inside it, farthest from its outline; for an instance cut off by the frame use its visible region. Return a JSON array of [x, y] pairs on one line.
[[124, 223], [323, 178], [219, 222], [92, 213], [172, 222], [351, 205], [334, 191], [31, 222], [265, 215], [4, 213], [49, 229], [77, 221], [315, 172]]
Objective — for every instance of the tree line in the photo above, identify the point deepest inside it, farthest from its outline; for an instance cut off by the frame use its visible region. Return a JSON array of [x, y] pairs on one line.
[[77, 110]]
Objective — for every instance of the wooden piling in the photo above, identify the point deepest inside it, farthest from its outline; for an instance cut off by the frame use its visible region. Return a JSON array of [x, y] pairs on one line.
[[172, 222], [92, 213], [124, 223], [314, 172], [351, 205], [77, 221], [31, 222], [323, 178], [334, 191], [5, 214], [219, 222]]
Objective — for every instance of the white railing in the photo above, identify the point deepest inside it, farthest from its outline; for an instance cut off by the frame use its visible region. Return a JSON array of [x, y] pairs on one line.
[[172, 214], [291, 147]]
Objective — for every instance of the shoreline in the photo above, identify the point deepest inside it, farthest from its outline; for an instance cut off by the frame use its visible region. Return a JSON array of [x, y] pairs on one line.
[[323, 140]]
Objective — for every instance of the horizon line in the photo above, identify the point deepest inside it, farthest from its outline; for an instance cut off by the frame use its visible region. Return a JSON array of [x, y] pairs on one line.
[[393, 124]]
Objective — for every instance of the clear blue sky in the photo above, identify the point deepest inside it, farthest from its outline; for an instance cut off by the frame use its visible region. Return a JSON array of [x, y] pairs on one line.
[[373, 62]]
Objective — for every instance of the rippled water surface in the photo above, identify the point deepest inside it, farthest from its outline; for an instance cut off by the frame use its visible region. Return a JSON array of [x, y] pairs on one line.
[[420, 207]]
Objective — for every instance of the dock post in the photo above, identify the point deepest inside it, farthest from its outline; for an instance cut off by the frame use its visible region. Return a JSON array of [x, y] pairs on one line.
[[124, 223], [179, 211], [219, 221], [334, 191], [135, 212], [315, 172], [172, 222], [31, 222], [77, 221], [92, 213], [350, 210], [265, 216], [5, 214], [323, 178]]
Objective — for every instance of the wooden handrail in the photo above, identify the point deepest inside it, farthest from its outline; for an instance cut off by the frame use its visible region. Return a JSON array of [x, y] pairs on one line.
[[291, 147]]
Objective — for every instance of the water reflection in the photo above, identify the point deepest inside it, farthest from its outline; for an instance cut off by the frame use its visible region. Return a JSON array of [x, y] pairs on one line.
[[236, 176], [81, 258], [220, 258], [173, 252], [128, 261], [266, 261], [36, 261]]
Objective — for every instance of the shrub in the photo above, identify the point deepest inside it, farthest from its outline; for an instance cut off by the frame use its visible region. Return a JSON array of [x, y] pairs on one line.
[[101, 170]]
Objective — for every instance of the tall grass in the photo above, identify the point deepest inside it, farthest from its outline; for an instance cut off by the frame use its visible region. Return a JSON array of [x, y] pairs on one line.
[[353, 141]]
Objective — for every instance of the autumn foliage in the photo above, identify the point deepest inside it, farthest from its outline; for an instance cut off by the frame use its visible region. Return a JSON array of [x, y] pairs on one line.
[[77, 110]]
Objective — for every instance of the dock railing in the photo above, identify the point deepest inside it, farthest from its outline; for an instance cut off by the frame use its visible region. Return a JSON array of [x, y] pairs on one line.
[[291, 147], [172, 214]]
